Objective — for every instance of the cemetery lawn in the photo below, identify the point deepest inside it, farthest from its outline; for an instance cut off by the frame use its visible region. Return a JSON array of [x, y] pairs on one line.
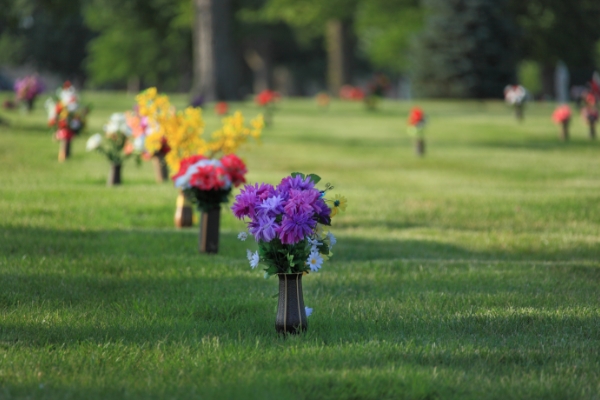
[[472, 273]]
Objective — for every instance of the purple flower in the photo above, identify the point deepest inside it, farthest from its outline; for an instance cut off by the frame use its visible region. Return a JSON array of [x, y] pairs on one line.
[[245, 202], [263, 228], [271, 205], [249, 198], [296, 182], [294, 228], [264, 190], [301, 201], [323, 212]]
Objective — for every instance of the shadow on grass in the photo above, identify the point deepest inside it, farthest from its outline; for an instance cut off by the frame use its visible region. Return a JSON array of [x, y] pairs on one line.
[[546, 144], [74, 244]]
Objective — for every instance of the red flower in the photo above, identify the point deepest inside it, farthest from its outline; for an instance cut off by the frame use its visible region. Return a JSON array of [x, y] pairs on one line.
[[266, 97], [164, 148], [561, 114], [186, 163], [64, 134], [221, 108], [416, 116], [209, 177], [235, 168]]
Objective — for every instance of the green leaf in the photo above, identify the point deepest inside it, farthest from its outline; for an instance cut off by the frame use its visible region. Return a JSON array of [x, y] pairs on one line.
[[315, 178], [295, 174]]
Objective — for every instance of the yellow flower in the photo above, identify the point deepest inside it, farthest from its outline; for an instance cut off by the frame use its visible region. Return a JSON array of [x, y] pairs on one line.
[[183, 130], [339, 203]]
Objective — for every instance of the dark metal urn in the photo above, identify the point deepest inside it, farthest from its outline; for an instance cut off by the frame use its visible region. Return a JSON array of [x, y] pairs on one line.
[[564, 132], [291, 314], [208, 240], [114, 176], [420, 147]]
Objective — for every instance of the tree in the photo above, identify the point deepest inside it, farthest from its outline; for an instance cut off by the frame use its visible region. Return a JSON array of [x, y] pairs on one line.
[[140, 40], [558, 30], [216, 66], [465, 50]]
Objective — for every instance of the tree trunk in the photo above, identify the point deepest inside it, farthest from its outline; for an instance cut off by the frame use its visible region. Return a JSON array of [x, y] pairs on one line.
[[339, 54], [259, 58], [216, 67]]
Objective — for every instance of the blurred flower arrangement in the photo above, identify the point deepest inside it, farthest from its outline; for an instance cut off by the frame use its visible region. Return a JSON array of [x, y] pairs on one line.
[[65, 113], [516, 96], [27, 90], [562, 116], [288, 223], [182, 131], [416, 128], [116, 143], [221, 108], [351, 93], [267, 100]]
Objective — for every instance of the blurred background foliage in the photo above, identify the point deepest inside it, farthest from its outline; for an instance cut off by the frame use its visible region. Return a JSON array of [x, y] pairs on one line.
[[446, 48]]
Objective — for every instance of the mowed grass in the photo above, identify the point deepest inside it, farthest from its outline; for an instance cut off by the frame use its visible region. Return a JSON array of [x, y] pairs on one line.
[[471, 273]]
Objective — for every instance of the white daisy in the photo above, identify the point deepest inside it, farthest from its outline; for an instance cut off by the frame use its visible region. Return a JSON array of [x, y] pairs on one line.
[[253, 258], [314, 243], [243, 236], [93, 142], [331, 239], [308, 311], [314, 261]]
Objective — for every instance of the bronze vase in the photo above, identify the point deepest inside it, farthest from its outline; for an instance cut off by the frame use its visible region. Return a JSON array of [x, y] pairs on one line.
[[114, 176], [64, 150], [420, 147], [183, 212], [564, 132], [208, 239], [291, 314]]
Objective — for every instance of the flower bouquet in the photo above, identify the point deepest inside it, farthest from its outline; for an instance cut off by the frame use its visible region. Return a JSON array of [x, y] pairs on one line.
[[351, 93], [208, 183], [590, 114], [416, 128], [515, 96], [562, 116], [288, 223], [27, 90], [267, 99], [116, 145], [151, 146], [67, 116]]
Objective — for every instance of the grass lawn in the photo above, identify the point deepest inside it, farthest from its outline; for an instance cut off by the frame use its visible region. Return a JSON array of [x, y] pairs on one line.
[[471, 273]]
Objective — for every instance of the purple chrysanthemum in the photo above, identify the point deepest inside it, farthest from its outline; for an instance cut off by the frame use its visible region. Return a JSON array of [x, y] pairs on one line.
[[245, 202], [288, 183], [271, 206], [249, 198], [301, 201], [263, 228], [294, 228]]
